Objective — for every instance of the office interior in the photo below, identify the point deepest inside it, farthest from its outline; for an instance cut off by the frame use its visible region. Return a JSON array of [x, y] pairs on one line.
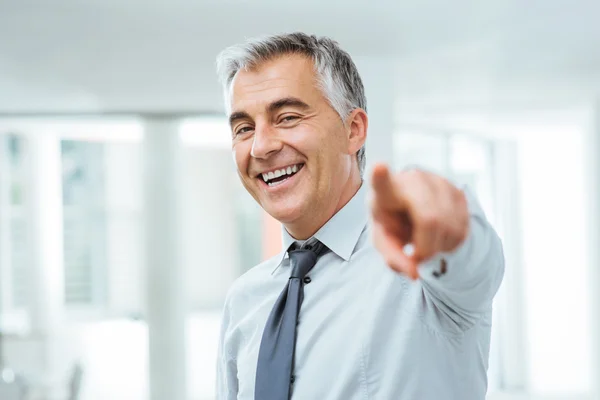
[[123, 221]]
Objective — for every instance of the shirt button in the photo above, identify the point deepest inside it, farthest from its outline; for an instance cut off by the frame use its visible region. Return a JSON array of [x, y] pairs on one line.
[[443, 268], [307, 279], [292, 379]]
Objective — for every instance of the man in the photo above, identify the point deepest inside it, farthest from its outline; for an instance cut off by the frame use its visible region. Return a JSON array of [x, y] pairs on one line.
[[348, 310]]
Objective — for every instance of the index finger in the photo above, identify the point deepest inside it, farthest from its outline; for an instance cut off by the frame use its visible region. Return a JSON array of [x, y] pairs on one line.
[[386, 193]]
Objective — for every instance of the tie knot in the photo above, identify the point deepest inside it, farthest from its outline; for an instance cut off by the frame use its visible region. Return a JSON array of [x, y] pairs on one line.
[[312, 244], [303, 258]]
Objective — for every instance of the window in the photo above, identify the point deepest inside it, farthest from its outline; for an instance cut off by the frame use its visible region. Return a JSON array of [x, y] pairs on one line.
[[428, 150], [100, 227], [15, 228], [84, 221]]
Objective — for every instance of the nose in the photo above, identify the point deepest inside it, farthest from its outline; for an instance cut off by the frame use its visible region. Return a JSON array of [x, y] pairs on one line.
[[266, 142]]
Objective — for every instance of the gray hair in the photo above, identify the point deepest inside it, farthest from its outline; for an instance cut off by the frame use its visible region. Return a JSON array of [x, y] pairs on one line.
[[337, 75]]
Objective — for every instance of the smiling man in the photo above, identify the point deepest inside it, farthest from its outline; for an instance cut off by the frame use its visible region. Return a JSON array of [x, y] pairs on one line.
[[346, 311]]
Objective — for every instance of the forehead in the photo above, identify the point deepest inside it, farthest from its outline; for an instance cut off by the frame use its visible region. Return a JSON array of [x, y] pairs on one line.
[[285, 76]]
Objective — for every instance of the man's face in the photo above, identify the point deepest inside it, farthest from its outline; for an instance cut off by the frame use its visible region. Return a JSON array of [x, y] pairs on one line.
[[285, 132]]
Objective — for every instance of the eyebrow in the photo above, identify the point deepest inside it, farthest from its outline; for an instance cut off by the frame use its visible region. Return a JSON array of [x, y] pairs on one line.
[[237, 116], [273, 107], [287, 102]]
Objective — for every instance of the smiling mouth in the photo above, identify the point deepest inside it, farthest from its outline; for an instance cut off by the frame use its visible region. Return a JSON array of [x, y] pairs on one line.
[[277, 177]]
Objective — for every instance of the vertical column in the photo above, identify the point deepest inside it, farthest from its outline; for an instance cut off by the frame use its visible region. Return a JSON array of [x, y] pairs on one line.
[[592, 183], [378, 78], [511, 332], [123, 170], [43, 202], [4, 235], [165, 299]]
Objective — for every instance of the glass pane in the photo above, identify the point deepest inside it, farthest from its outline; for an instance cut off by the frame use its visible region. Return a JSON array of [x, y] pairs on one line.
[[471, 165], [17, 256], [15, 157], [423, 149], [84, 220]]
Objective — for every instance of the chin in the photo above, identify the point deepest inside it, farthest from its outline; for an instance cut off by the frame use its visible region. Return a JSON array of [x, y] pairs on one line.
[[284, 216], [285, 213]]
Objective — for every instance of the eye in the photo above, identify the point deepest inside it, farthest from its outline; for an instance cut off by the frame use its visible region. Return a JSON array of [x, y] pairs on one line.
[[289, 118], [242, 130]]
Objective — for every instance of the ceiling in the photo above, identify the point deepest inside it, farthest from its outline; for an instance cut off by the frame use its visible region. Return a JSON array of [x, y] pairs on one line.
[[104, 56]]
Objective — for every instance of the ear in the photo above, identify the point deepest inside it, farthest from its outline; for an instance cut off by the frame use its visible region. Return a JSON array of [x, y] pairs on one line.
[[357, 123]]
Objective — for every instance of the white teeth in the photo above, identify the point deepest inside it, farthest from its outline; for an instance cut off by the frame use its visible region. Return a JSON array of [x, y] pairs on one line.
[[267, 176]]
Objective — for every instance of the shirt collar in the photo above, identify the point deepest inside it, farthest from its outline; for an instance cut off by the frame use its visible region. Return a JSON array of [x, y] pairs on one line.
[[341, 233]]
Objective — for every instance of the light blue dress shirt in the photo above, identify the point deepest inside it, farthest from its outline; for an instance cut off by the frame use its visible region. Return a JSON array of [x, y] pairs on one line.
[[365, 331]]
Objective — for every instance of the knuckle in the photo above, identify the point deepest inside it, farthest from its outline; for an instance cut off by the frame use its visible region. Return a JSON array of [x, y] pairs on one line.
[[429, 220], [455, 232]]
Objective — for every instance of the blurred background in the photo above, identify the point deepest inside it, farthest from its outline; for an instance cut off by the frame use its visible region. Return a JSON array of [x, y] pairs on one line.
[[122, 221]]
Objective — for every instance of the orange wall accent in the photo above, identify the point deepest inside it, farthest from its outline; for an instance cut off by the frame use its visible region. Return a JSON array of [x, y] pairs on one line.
[[271, 236]]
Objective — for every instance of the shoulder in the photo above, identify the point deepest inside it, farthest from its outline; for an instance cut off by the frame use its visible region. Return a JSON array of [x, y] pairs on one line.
[[249, 282]]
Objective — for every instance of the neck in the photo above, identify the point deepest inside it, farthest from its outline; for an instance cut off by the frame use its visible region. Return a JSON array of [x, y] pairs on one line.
[[302, 230]]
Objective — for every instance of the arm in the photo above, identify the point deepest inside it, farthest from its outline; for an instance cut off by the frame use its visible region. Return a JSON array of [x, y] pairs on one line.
[[444, 225]]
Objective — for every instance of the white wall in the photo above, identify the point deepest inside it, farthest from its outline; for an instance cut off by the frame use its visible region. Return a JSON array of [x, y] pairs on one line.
[[210, 242], [555, 259]]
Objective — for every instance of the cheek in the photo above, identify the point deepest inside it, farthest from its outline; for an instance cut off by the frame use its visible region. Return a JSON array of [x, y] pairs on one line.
[[311, 139]]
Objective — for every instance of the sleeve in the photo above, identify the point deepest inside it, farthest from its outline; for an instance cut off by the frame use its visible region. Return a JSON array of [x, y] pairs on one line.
[[227, 381], [474, 271]]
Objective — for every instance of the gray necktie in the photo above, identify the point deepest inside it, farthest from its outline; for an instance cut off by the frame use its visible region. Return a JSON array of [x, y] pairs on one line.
[[276, 354]]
